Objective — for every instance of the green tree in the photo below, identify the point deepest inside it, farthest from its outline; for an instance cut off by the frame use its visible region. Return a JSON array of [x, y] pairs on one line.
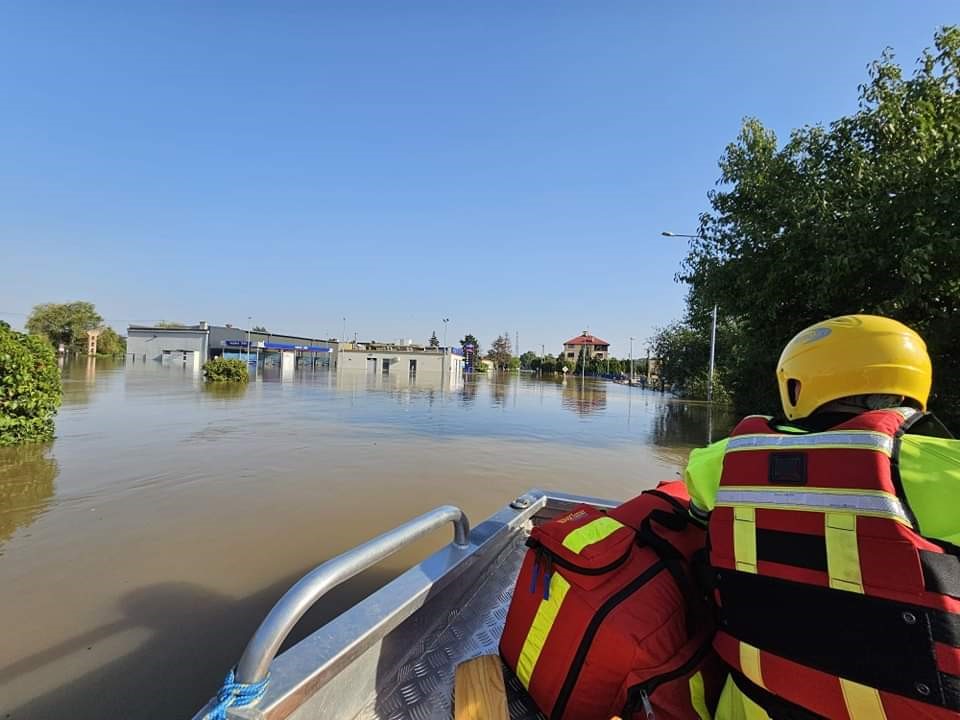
[[221, 370], [110, 343], [259, 329], [434, 340], [65, 323], [528, 359], [30, 388], [860, 215], [501, 352]]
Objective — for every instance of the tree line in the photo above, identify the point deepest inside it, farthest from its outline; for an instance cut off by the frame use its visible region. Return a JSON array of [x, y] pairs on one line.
[[500, 356], [67, 324], [856, 216]]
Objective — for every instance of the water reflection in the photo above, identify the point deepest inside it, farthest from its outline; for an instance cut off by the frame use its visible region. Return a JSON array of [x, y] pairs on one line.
[[27, 475], [584, 397], [690, 424], [225, 391]]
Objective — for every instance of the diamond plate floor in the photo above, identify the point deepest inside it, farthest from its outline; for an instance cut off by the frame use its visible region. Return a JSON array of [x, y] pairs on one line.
[[423, 686]]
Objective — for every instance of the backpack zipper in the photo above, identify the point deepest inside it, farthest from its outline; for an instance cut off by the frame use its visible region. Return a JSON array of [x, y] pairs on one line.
[[590, 633], [640, 693], [545, 560]]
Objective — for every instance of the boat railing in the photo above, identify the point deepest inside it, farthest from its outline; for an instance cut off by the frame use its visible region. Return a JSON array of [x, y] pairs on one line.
[[266, 641]]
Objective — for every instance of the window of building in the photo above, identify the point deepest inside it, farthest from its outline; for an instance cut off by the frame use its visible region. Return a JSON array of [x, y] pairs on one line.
[[386, 366], [570, 354], [413, 367]]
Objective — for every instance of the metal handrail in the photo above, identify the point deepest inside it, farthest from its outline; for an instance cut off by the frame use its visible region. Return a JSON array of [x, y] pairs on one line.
[[263, 646]]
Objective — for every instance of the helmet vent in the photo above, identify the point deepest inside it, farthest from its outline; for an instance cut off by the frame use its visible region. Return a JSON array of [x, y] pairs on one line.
[[793, 391]]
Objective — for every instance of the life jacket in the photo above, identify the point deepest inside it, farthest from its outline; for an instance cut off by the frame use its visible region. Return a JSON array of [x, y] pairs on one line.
[[831, 603], [605, 619]]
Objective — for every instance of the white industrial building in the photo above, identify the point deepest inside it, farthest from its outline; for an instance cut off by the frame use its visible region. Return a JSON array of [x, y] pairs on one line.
[[407, 360]]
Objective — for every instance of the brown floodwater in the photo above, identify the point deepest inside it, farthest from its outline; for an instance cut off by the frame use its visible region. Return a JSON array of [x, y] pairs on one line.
[[141, 548]]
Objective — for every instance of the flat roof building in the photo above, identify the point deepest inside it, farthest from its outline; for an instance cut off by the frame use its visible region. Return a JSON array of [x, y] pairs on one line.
[[409, 360], [200, 342]]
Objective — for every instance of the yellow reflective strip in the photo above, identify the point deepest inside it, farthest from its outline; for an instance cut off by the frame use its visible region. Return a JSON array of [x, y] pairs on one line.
[[745, 539], [750, 664], [843, 554], [591, 533], [540, 628], [863, 703], [698, 696]]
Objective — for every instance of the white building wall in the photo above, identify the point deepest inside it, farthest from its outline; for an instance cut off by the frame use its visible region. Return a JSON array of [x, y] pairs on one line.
[[427, 362], [151, 344]]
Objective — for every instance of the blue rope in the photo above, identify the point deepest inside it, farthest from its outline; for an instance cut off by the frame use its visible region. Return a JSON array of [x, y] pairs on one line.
[[235, 694]]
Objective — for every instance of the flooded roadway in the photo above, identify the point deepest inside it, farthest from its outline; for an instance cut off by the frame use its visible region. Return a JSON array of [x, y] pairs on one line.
[[140, 549]]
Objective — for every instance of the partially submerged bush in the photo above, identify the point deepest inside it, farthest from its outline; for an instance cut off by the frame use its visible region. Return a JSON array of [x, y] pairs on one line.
[[220, 370], [30, 388]]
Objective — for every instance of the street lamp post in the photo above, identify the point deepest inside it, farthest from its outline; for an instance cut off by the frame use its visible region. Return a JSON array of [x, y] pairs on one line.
[[713, 326], [249, 318], [631, 362], [443, 369]]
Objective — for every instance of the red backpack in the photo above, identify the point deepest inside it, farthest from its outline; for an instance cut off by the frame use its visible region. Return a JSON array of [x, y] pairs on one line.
[[606, 618]]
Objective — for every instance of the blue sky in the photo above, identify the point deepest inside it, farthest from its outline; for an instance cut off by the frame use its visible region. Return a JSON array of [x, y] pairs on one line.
[[509, 165]]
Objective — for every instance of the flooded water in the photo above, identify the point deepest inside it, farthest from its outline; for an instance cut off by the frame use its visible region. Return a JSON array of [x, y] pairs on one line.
[[140, 550]]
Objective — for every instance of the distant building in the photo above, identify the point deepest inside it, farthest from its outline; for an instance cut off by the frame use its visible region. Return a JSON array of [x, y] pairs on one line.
[[195, 344], [585, 344], [400, 359]]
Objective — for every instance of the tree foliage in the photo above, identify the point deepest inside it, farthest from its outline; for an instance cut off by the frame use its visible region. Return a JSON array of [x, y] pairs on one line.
[[110, 343], [65, 323], [259, 329], [434, 340], [221, 370], [501, 352], [528, 359], [859, 216], [30, 388]]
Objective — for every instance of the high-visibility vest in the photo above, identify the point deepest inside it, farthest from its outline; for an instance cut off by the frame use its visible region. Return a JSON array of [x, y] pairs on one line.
[[830, 601]]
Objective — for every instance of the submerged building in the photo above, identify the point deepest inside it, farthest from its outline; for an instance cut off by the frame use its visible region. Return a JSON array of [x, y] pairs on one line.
[[586, 345], [394, 358], [193, 345]]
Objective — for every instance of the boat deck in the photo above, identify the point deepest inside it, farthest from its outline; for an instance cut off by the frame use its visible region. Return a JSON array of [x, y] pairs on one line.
[[422, 685]]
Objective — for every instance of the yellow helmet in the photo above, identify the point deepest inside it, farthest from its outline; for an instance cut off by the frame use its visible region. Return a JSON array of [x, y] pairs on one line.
[[852, 355]]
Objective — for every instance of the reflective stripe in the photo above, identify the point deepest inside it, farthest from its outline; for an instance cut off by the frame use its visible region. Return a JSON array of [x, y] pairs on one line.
[[540, 628], [698, 696], [745, 539], [843, 553], [875, 503], [847, 439], [863, 703], [750, 664], [592, 532]]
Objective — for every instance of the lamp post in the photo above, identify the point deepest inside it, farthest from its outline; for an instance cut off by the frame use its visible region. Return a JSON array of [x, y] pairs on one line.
[[713, 327], [249, 318], [631, 362]]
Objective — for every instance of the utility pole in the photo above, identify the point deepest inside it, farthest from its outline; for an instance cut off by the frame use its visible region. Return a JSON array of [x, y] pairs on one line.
[[344, 336], [249, 319], [713, 349], [631, 361]]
